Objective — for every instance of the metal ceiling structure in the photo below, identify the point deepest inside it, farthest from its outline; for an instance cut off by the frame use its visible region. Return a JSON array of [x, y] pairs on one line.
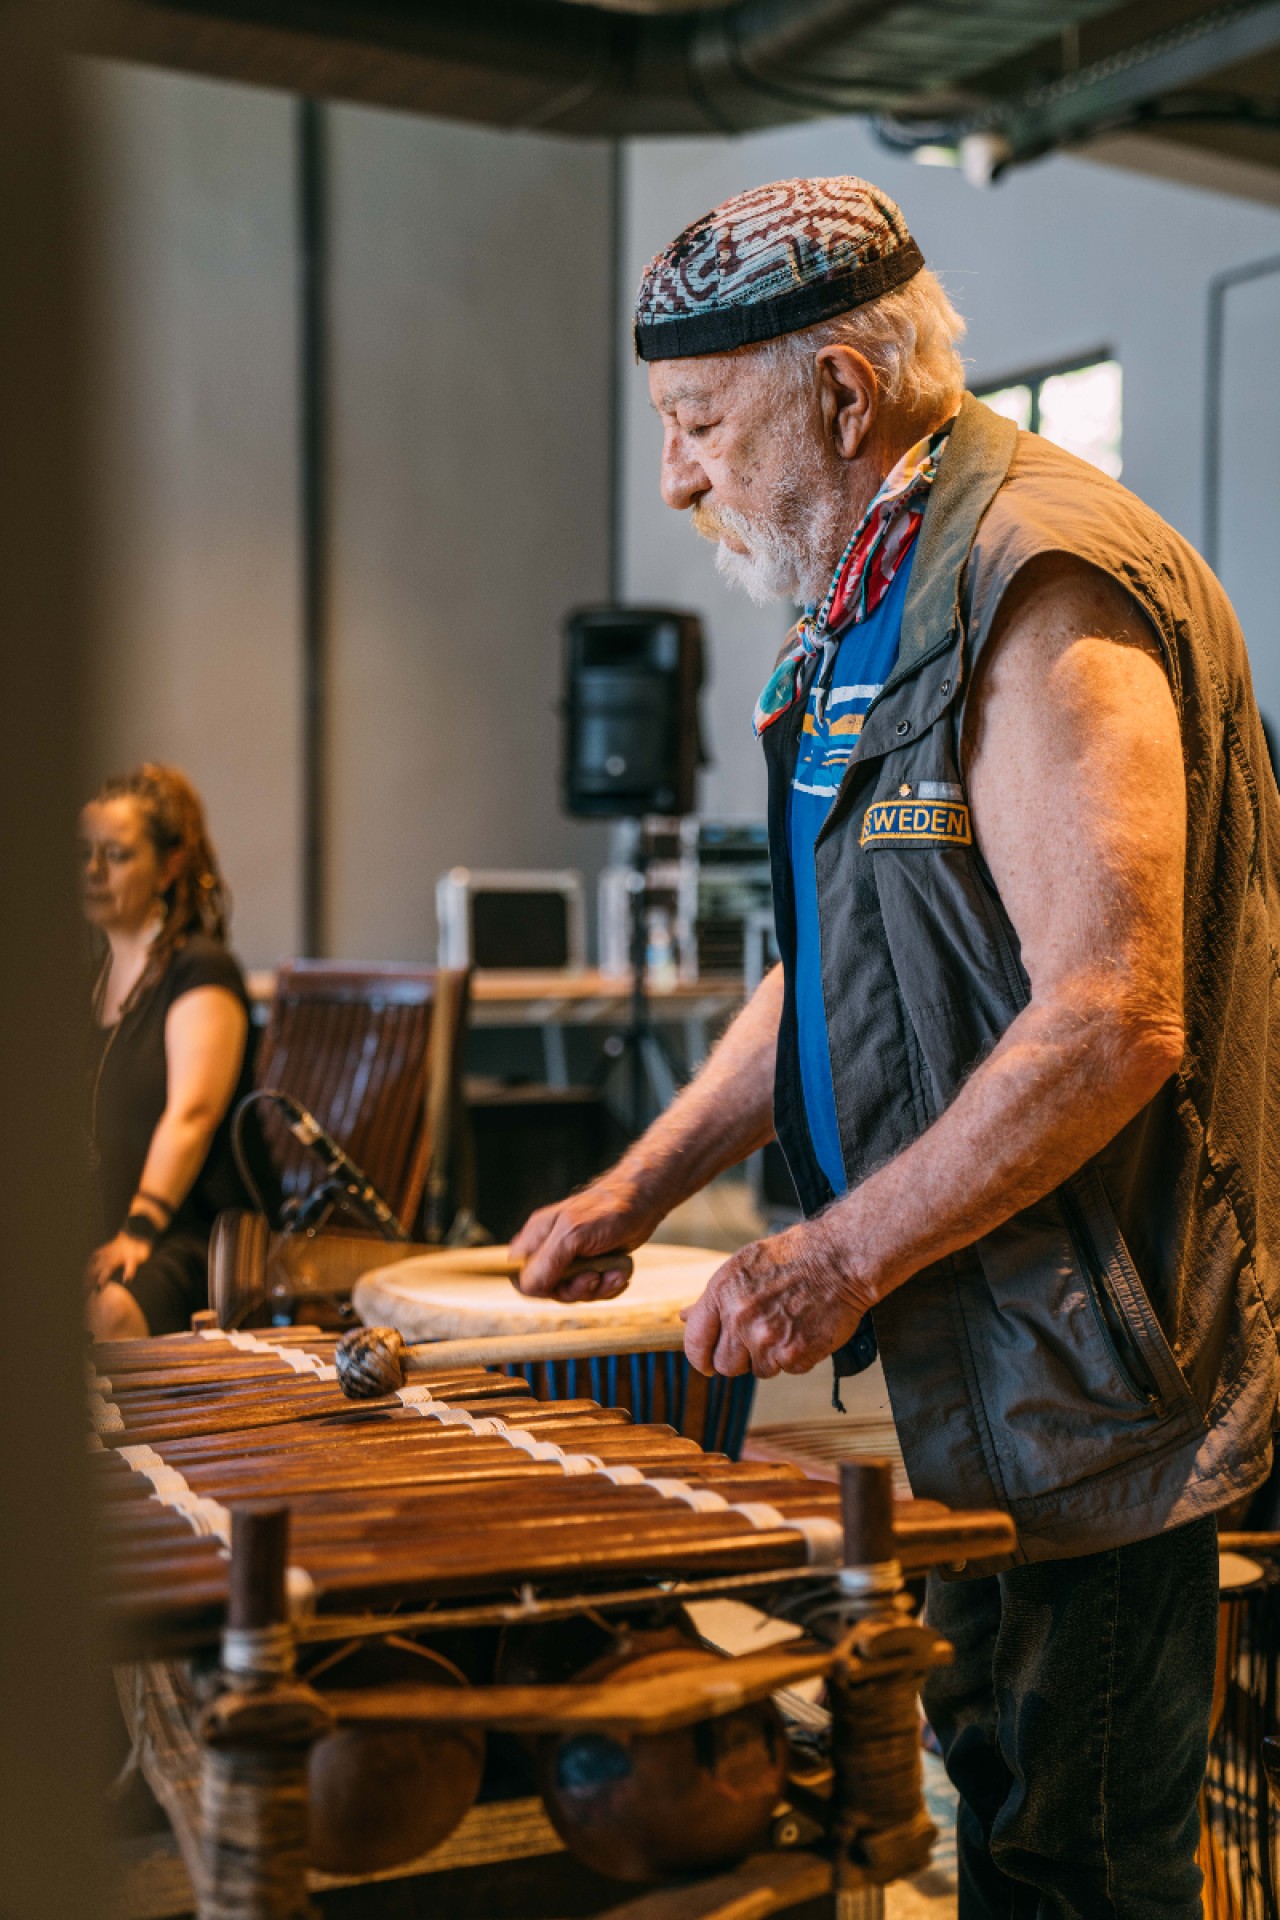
[[989, 83], [1207, 68]]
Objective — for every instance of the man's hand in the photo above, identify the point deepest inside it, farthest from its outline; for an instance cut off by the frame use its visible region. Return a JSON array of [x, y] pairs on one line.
[[779, 1306], [607, 1217], [117, 1259]]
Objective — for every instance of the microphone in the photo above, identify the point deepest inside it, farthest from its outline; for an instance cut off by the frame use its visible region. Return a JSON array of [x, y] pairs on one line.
[[353, 1181]]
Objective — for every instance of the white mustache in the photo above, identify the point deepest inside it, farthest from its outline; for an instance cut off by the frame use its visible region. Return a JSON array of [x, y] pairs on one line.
[[713, 523]]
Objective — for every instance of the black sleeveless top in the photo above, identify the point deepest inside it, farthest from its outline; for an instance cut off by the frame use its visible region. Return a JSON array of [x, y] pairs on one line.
[[132, 1090]]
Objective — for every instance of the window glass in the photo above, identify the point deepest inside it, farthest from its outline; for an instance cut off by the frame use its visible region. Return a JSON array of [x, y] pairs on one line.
[[1013, 402], [1078, 408], [1081, 412]]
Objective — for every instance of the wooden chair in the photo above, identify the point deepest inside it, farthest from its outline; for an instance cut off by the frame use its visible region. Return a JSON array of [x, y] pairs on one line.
[[375, 1053]]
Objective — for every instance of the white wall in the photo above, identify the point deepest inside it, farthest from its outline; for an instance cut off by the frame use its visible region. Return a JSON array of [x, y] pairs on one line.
[[193, 402], [471, 356], [1057, 260], [470, 375]]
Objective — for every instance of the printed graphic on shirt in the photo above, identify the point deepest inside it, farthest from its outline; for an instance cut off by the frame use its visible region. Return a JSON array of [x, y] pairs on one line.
[[917, 823], [828, 738]]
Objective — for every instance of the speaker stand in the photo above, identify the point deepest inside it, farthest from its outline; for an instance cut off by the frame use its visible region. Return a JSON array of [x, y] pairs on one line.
[[653, 1072]]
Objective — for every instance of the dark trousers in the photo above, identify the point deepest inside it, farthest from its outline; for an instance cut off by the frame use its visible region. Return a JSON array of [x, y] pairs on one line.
[[1075, 1725]]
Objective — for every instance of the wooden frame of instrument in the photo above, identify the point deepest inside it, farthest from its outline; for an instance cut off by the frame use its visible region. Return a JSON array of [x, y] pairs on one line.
[[240, 1400]]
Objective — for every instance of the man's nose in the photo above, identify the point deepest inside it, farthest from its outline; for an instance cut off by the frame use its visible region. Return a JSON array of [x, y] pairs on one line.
[[682, 481]]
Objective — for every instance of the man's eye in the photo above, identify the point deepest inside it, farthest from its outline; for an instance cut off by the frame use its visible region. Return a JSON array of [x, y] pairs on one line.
[[696, 433]]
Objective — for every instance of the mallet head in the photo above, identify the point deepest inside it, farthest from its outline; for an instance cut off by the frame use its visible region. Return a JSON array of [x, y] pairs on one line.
[[370, 1362]]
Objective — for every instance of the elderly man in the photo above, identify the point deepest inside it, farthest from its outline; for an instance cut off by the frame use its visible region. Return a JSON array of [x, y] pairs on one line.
[[1020, 1051]]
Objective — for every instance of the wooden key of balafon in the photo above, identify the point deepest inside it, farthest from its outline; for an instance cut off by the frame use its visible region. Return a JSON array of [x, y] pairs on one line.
[[372, 1361]]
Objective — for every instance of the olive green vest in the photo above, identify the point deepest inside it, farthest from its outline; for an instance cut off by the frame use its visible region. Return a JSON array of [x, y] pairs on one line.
[[1104, 1365]]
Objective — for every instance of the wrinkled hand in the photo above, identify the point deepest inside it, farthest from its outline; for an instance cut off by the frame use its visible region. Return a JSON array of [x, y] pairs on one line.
[[118, 1259], [778, 1306], [605, 1217]]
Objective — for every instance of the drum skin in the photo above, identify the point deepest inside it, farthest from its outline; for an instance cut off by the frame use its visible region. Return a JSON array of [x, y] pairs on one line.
[[650, 1806], [380, 1795]]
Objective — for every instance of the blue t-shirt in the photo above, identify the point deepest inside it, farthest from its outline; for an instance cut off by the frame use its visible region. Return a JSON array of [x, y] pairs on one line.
[[864, 659]]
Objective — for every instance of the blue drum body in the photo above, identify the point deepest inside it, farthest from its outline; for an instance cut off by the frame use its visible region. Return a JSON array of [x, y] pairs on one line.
[[655, 1388]]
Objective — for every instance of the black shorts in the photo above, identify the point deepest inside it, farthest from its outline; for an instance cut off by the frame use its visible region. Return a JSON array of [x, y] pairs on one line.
[[173, 1283]]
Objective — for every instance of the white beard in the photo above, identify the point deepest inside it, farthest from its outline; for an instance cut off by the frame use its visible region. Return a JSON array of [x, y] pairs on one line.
[[792, 546], [769, 569]]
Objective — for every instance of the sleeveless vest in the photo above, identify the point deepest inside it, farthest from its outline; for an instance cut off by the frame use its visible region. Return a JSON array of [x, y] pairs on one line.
[[1103, 1366]]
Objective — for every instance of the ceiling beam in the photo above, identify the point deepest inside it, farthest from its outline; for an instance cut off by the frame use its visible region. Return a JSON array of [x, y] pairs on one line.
[[1097, 97]]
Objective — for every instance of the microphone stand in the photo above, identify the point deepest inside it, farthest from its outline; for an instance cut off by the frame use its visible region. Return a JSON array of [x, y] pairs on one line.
[[346, 1181]]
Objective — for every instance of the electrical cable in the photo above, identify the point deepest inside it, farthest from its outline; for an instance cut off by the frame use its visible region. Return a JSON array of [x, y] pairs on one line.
[[241, 1159]]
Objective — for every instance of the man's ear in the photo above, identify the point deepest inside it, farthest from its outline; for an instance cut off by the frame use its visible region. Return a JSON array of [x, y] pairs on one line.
[[848, 395]]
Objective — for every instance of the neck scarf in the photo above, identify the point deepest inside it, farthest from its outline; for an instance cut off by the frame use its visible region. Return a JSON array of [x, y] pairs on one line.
[[864, 573]]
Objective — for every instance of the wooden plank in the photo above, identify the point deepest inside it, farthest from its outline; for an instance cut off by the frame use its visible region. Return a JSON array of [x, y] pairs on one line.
[[652, 1704], [768, 1883], [152, 1883]]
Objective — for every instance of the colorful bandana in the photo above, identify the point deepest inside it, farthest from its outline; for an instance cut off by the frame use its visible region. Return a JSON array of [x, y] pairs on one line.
[[865, 571], [770, 262]]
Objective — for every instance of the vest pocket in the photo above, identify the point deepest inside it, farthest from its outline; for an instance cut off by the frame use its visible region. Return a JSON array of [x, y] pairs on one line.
[[1075, 1377], [1112, 1326], [1120, 1290]]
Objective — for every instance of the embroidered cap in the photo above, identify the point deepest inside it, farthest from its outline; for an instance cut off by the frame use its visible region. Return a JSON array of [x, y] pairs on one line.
[[769, 262]]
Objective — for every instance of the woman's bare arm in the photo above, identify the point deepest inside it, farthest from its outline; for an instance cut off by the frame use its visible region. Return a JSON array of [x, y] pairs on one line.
[[205, 1033]]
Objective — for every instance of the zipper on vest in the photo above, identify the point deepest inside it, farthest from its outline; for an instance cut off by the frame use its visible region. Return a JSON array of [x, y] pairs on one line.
[[1111, 1323]]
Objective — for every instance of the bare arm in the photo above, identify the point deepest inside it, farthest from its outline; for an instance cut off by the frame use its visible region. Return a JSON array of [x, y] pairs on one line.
[[204, 1039], [1079, 802], [724, 1114]]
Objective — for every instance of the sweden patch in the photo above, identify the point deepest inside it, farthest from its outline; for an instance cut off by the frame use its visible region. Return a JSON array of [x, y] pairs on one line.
[[917, 823]]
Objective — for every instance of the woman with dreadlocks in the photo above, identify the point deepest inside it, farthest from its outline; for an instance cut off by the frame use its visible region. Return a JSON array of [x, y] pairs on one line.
[[169, 1052]]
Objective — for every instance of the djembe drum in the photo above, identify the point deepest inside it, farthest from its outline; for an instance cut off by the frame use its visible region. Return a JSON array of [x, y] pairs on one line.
[[463, 1294]]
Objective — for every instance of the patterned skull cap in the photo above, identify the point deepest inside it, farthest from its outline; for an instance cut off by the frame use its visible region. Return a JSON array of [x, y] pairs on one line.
[[769, 262]]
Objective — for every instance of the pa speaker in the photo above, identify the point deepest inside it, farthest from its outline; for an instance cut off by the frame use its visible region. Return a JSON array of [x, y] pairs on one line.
[[632, 742]]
